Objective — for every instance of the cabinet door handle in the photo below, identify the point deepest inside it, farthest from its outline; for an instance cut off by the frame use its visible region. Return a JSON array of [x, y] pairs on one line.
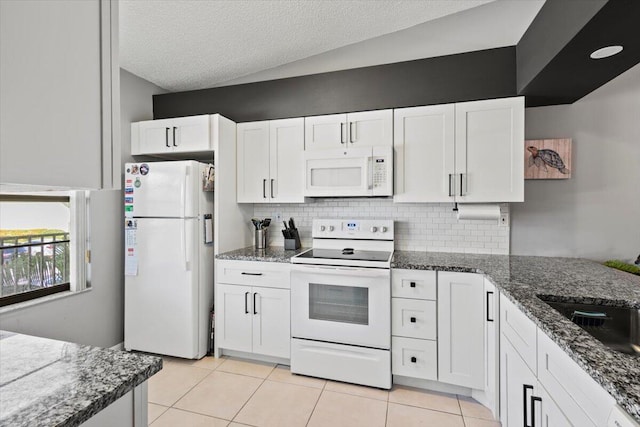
[[342, 133], [351, 132], [264, 188], [461, 185], [413, 359], [254, 303], [489, 293], [534, 399], [412, 284], [413, 320], [166, 137], [246, 303], [174, 136], [251, 274], [525, 421], [272, 187], [450, 176]]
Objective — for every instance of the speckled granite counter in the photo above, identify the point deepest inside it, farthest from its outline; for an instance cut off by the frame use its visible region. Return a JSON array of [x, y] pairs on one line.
[[522, 278], [45, 382], [270, 254]]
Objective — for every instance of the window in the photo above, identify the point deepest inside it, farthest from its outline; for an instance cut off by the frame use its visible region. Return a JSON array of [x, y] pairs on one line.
[[41, 240]]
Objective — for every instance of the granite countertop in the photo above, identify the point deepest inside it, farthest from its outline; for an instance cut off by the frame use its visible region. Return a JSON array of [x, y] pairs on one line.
[[523, 278], [270, 254], [46, 382]]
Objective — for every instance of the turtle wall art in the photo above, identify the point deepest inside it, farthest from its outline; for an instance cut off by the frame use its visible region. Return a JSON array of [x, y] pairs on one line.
[[547, 159]]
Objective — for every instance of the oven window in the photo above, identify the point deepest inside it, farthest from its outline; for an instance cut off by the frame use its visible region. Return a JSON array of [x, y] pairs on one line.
[[345, 304]]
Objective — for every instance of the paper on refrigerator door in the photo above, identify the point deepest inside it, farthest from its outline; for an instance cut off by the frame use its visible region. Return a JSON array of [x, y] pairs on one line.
[[131, 254]]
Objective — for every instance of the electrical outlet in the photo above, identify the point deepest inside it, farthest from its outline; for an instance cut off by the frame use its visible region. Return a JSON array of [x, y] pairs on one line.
[[277, 217], [504, 219]]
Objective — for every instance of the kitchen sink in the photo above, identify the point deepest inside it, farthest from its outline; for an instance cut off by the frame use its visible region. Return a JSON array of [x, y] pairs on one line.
[[616, 327]]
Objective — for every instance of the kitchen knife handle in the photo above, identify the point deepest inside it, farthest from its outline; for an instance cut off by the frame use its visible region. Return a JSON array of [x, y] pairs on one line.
[[166, 137], [251, 274], [450, 176], [264, 188], [254, 303], [342, 133], [272, 187], [246, 304], [525, 387], [174, 136], [534, 399], [489, 293]]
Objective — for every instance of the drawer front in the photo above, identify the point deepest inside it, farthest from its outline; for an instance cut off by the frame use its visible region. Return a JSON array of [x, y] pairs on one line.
[[254, 273], [413, 318], [414, 358], [417, 284], [582, 400], [520, 331]]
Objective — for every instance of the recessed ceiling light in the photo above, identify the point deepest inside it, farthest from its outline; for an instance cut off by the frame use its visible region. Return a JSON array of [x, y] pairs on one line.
[[606, 52]]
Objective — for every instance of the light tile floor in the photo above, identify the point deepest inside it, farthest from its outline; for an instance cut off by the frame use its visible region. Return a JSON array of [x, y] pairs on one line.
[[231, 392]]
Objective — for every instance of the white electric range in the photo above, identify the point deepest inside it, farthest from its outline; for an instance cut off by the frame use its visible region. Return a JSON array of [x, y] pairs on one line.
[[341, 303]]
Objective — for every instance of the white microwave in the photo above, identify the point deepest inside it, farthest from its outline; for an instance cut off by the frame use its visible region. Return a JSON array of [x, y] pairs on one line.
[[352, 172]]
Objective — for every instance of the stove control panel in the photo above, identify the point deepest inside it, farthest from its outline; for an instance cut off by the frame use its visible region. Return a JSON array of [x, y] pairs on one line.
[[353, 229]]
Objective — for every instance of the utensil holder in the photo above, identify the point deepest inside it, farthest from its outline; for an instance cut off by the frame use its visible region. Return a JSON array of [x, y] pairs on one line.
[[261, 238], [292, 244]]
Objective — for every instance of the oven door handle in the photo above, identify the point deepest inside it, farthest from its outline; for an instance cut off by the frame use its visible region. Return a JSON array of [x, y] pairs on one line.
[[341, 271]]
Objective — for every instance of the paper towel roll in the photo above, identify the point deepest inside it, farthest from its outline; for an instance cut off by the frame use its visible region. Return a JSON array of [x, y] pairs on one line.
[[478, 211]]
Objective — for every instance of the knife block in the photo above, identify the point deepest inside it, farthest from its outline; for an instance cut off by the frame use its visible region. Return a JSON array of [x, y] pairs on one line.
[[293, 244]]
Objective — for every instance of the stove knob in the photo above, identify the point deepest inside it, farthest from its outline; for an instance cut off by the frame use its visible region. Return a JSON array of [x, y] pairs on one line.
[[374, 229], [322, 228], [331, 228], [383, 229]]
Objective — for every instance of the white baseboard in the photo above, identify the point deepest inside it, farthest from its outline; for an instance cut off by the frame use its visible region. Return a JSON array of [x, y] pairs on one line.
[[431, 385]]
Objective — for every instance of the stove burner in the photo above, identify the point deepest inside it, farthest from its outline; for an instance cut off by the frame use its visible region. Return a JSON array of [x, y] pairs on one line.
[[347, 251]]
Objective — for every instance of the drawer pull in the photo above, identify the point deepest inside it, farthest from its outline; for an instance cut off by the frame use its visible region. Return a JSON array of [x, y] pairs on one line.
[[251, 274], [412, 284], [413, 320], [413, 359]]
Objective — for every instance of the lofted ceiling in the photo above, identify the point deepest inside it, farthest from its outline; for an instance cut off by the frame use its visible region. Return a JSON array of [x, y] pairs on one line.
[[186, 44]]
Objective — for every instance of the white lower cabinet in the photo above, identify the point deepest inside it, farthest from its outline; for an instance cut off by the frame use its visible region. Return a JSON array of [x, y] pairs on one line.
[[414, 358], [540, 385], [461, 329], [252, 306]]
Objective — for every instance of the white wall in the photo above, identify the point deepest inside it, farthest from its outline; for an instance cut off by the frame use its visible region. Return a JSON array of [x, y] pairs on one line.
[[136, 105], [596, 213], [50, 103]]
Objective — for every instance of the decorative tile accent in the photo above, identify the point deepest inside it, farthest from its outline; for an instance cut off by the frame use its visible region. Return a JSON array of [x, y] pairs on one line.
[[431, 227]]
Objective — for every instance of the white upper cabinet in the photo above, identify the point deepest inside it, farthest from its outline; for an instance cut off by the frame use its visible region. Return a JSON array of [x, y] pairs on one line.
[[363, 129], [490, 150], [270, 164], [464, 152], [423, 146], [168, 136], [252, 162]]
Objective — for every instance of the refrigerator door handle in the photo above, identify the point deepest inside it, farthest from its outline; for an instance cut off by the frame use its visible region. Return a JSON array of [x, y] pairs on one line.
[[185, 247]]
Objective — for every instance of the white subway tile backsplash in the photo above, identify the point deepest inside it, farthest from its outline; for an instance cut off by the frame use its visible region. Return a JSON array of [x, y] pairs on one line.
[[418, 226]]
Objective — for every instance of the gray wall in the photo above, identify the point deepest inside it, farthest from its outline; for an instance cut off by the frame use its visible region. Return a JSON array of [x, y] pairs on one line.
[[596, 213], [93, 317], [50, 135], [50, 108], [135, 105]]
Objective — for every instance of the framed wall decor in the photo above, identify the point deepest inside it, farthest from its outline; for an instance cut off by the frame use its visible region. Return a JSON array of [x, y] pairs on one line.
[[547, 158]]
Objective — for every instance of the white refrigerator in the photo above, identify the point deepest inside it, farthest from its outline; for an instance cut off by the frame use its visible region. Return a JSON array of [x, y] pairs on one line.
[[168, 258]]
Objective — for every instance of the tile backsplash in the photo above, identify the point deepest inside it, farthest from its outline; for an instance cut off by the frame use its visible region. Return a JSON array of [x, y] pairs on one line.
[[418, 226]]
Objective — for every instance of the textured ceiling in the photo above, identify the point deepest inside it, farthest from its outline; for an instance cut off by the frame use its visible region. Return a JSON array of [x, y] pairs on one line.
[[184, 45]]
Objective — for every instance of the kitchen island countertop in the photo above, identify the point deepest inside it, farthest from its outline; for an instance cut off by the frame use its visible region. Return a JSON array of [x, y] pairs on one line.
[[45, 382]]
